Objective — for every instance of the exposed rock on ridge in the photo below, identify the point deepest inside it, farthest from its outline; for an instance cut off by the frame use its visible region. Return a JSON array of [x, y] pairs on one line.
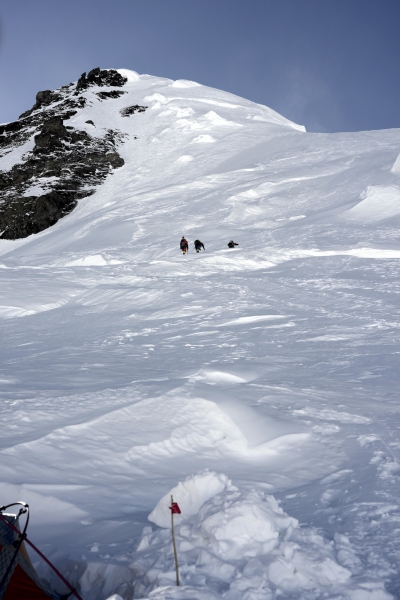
[[64, 163], [16, 133], [113, 94], [96, 76], [131, 110], [43, 99]]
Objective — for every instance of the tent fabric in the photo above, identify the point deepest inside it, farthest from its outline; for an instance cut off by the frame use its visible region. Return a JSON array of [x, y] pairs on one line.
[[22, 582], [23, 587]]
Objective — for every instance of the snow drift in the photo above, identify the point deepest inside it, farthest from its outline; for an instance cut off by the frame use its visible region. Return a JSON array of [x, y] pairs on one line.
[[243, 545]]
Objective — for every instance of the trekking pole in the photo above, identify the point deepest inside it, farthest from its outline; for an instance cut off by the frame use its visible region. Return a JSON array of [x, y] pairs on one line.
[[174, 508]]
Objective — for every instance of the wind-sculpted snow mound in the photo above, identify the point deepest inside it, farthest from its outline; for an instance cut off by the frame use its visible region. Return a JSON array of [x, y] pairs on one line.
[[192, 494], [241, 545], [377, 204]]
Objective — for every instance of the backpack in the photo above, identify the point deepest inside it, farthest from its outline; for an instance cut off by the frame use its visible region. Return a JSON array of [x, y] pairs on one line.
[[183, 244]]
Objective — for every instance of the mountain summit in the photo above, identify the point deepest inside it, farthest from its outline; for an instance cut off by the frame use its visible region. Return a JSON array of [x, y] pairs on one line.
[[58, 151]]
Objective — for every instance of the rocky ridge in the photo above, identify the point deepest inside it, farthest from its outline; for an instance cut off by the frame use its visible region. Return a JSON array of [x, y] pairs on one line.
[[65, 162]]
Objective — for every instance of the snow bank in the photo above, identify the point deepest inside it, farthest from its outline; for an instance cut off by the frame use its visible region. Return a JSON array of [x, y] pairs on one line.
[[131, 76], [190, 495], [396, 165], [240, 545], [96, 260], [47, 508], [98, 581], [378, 203], [184, 83]]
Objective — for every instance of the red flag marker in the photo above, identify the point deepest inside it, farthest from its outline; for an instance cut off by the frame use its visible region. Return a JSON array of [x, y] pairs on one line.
[[174, 508]]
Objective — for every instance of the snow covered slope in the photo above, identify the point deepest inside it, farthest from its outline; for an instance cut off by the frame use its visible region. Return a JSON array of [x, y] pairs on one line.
[[267, 374]]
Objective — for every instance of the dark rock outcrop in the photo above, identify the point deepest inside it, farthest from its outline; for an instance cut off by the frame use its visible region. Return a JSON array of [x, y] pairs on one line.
[[72, 159], [51, 137], [106, 77], [64, 163], [112, 94], [130, 110], [34, 214], [43, 99], [16, 133]]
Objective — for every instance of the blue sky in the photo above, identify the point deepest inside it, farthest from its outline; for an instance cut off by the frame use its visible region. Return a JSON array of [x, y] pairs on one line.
[[331, 65]]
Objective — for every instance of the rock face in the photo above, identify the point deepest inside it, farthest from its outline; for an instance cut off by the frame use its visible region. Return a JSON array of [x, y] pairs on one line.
[[102, 78], [43, 99], [34, 214], [131, 110], [16, 133], [47, 184], [113, 94]]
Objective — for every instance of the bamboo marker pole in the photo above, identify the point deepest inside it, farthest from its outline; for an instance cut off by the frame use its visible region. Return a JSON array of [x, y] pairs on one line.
[[174, 544]]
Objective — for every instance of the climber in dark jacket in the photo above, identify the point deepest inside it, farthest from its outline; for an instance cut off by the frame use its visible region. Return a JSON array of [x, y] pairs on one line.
[[198, 245], [232, 244], [184, 245]]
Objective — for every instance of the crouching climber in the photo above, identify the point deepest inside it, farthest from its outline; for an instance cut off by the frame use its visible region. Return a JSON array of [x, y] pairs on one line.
[[198, 245]]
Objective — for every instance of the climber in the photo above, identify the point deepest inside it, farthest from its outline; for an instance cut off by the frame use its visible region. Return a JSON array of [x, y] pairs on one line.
[[198, 245]]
